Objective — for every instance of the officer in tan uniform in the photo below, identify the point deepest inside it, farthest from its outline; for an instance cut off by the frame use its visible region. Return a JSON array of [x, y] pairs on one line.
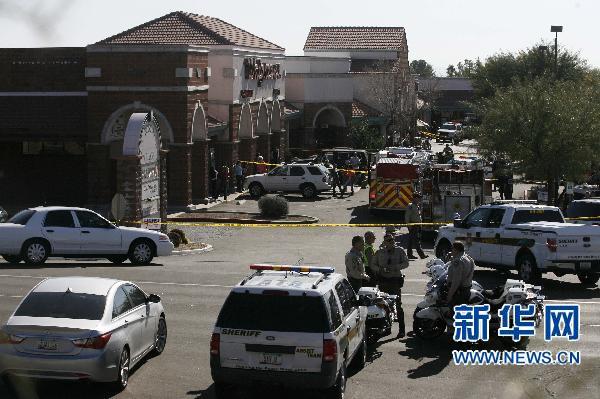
[[355, 265], [460, 275], [387, 265], [413, 215]]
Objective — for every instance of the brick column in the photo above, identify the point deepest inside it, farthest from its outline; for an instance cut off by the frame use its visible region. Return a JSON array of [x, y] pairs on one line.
[[264, 146], [226, 152], [100, 186], [180, 175], [200, 171], [129, 183], [247, 150]]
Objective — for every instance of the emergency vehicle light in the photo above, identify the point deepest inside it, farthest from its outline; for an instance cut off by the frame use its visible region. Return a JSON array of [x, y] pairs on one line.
[[290, 268]]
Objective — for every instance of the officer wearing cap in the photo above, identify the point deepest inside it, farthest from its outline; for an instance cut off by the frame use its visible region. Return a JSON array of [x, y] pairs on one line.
[[387, 265]]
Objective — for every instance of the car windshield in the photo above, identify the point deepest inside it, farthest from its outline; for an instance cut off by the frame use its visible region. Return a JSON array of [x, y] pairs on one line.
[[578, 209], [274, 313], [63, 305], [537, 215], [22, 217], [449, 126]]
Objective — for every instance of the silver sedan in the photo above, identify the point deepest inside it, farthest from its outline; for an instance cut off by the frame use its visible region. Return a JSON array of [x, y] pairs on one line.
[[82, 328]]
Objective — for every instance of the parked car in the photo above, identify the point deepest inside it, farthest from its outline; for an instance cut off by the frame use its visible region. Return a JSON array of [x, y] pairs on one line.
[[533, 239], [3, 215], [340, 156], [585, 211], [33, 235], [82, 328], [293, 326], [449, 131], [308, 179]]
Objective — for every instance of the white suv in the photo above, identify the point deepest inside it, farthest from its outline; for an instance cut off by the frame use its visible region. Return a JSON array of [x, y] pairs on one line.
[[308, 179], [292, 326]]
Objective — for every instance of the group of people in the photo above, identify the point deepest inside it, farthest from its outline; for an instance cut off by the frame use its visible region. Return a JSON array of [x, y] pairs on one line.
[[366, 266], [346, 177], [504, 184], [221, 180]]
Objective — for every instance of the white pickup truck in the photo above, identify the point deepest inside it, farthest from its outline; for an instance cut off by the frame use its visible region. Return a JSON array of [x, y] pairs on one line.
[[534, 239]]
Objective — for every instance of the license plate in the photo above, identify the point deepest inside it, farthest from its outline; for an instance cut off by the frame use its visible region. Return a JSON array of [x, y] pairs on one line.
[[47, 345], [585, 265], [271, 358]]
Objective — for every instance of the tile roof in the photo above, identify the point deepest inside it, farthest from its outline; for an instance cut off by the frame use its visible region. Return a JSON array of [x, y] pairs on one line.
[[362, 110], [186, 28], [357, 38]]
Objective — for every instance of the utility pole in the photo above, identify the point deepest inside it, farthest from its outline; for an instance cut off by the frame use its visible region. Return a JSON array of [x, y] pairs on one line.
[[556, 29]]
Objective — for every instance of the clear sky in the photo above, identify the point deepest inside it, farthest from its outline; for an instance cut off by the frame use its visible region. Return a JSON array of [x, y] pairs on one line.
[[440, 31]]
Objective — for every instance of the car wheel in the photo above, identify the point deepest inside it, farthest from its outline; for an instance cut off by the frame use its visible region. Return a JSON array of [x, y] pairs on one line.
[[256, 190], [443, 250], [338, 391], [141, 252], [12, 258], [123, 377], [118, 259], [360, 358], [588, 279], [160, 340], [308, 191], [35, 252], [528, 270]]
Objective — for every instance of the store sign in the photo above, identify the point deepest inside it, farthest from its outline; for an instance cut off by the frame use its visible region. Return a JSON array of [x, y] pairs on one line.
[[255, 69], [142, 139], [151, 223]]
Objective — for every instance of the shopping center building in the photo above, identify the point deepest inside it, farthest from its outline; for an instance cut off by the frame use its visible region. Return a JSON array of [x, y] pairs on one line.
[[218, 94]]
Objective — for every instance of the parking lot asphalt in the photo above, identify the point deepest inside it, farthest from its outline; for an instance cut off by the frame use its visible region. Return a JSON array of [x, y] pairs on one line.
[[193, 288]]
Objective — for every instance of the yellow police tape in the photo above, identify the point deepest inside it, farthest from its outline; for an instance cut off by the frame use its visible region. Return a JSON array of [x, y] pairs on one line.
[[211, 224], [312, 225]]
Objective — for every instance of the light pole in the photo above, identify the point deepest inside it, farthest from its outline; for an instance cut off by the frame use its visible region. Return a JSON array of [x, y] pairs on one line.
[[556, 29]]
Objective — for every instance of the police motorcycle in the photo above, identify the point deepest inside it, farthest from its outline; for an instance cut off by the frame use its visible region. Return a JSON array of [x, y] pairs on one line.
[[437, 271], [434, 315], [381, 312]]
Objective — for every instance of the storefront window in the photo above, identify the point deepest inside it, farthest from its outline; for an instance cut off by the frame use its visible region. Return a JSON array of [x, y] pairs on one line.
[[53, 148]]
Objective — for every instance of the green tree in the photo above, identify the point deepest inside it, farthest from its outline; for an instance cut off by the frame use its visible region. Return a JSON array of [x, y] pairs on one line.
[[422, 68], [464, 69], [548, 128], [366, 137], [504, 69]]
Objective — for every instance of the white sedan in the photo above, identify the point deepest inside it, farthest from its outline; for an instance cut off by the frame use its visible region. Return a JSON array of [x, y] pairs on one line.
[[33, 235], [82, 328]]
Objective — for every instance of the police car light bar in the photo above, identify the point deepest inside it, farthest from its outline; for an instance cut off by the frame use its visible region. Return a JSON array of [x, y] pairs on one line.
[[291, 268]]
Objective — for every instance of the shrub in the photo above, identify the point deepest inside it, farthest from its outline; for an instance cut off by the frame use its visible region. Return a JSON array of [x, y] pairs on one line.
[[182, 236], [272, 206], [175, 238]]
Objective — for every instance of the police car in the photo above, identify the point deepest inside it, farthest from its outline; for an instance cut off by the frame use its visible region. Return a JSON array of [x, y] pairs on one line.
[[292, 326]]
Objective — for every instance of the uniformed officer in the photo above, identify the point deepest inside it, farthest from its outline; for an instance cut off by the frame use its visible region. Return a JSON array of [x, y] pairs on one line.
[[460, 275], [355, 266], [413, 215], [388, 264]]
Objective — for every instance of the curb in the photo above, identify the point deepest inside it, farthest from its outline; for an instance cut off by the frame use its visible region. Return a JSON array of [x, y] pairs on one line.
[[184, 252], [310, 219]]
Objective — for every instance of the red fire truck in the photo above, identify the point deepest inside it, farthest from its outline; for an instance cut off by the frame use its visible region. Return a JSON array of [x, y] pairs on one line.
[[392, 183]]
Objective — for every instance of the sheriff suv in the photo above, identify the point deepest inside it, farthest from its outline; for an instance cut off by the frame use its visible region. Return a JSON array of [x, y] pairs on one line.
[[308, 179], [291, 326], [533, 239]]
